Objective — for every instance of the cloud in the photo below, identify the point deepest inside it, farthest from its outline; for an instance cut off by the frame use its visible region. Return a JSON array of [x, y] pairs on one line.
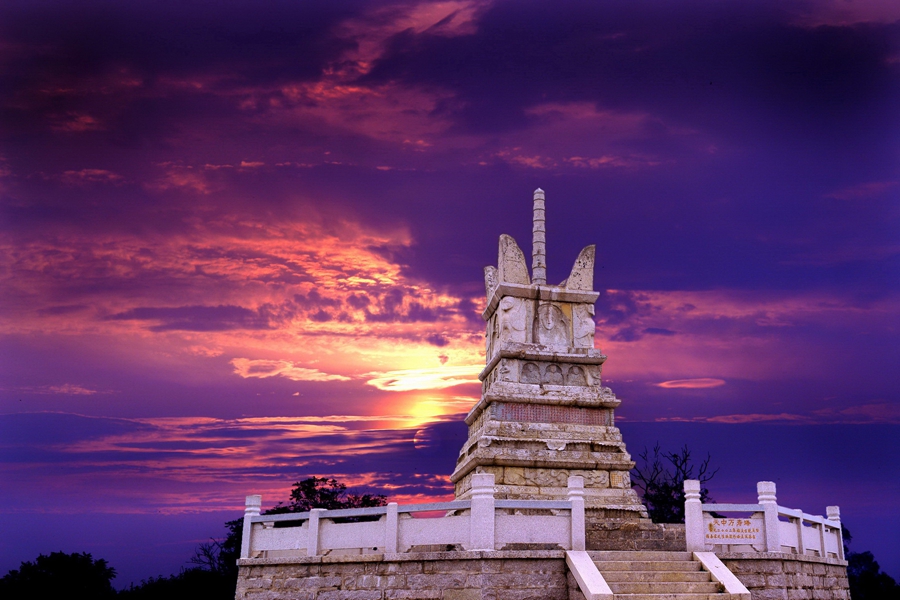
[[691, 384], [881, 413], [88, 176], [65, 389], [76, 123], [194, 464], [262, 369], [862, 191], [424, 379], [196, 318], [71, 389]]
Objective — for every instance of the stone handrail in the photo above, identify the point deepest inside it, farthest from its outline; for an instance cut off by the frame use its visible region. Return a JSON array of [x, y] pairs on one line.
[[768, 528], [482, 523]]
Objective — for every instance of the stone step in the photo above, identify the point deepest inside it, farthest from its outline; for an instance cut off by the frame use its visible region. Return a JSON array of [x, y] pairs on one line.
[[643, 565], [684, 576], [643, 555], [664, 587]]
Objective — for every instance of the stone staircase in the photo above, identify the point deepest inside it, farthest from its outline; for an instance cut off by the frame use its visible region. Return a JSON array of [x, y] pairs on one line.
[[654, 575]]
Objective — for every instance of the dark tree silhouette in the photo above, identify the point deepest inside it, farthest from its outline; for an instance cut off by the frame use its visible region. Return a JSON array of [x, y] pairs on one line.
[[660, 479], [218, 558], [867, 580], [59, 575], [330, 494]]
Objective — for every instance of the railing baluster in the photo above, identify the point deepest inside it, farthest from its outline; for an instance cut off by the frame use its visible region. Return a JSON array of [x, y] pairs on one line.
[[482, 520], [766, 496], [251, 509], [833, 513], [391, 529], [693, 516], [312, 534], [576, 513]]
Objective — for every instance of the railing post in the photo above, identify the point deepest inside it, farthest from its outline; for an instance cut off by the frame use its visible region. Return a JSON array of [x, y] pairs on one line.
[[391, 529], [576, 497], [766, 496], [482, 519], [312, 533], [833, 514], [251, 509], [693, 516], [801, 545]]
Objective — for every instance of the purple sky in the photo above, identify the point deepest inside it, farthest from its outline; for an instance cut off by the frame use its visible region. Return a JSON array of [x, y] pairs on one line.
[[242, 245]]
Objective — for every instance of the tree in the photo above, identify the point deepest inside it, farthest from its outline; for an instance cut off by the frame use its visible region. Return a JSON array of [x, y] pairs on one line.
[[867, 580], [220, 557], [330, 494], [59, 575], [660, 479], [190, 584]]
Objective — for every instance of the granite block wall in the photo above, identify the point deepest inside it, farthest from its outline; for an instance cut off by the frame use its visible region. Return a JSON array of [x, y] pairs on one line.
[[603, 533], [524, 575], [772, 576]]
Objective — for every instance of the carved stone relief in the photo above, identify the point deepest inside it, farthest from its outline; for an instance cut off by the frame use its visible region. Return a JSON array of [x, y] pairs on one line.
[[511, 320], [490, 337], [490, 281], [576, 376], [547, 374], [583, 326], [553, 375], [504, 372], [530, 374], [552, 327]]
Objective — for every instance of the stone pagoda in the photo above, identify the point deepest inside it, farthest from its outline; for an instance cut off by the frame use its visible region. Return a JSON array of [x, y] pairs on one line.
[[544, 414]]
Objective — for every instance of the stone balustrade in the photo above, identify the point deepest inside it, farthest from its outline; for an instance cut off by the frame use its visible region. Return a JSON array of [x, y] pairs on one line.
[[767, 528], [482, 523]]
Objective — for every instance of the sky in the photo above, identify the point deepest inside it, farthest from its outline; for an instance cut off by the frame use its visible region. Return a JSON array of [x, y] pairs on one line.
[[241, 244]]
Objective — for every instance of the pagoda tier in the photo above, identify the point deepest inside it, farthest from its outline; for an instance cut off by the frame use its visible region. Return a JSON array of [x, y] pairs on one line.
[[544, 414]]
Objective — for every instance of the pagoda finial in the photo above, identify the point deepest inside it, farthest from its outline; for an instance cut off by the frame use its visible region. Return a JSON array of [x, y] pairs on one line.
[[539, 241]]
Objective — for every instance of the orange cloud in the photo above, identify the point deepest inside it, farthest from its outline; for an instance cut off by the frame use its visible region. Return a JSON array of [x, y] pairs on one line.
[[248, 368], [699, 383], [425, 379], [86, 176]]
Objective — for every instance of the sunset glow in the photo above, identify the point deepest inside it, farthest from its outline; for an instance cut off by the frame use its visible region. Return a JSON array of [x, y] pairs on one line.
[[244, 244]]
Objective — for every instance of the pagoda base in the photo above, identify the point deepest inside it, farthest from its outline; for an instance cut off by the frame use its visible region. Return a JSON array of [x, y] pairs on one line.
[[533, 461]]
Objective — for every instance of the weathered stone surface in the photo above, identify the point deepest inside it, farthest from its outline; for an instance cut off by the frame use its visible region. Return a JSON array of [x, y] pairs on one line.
[[582, 275], [511, 265], [789, 576], [411, 576], [542, 369]]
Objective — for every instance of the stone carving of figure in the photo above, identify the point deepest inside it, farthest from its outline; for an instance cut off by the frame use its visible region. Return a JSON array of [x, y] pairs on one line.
[[511, 317], [583, 325], [490, 337], [576, 376], [552, 327], [490, 281], [530, 373], [553, 375]]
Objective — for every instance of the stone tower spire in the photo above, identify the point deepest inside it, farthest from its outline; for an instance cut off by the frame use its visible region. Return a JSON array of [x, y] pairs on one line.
[[544, 413], [539, 241]]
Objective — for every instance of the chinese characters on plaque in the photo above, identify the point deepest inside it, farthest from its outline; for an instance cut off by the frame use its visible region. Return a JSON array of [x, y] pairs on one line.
[[734, 531]]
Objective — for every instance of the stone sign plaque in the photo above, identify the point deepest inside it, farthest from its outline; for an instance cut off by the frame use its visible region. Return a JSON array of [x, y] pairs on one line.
[[734, 531]]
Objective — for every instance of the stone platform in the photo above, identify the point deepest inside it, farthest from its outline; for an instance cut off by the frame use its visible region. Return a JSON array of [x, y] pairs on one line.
[[536, 575]]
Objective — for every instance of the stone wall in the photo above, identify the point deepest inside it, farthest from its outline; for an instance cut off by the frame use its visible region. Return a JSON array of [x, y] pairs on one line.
[[771, 576], [527, 575], [605, 532]]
